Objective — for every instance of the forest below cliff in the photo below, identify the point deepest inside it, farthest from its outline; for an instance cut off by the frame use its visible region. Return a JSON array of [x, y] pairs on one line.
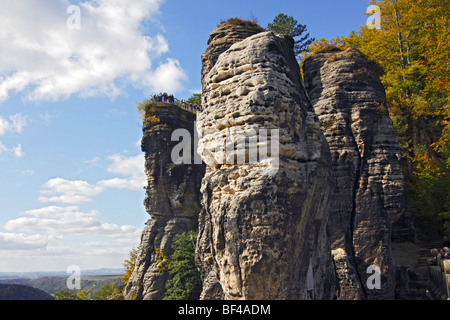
[[410, 47]]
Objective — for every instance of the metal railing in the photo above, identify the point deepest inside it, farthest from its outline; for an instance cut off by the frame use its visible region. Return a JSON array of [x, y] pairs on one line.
[[438, 275], [194, 108]]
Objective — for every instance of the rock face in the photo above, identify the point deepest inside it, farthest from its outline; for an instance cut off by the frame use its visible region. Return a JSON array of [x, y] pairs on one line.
[[261, 231], [222, 37], [172, 199], [349, 100]]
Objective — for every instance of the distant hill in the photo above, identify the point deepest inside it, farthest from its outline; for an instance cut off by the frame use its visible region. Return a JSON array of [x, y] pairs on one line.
[[22, 292], [52, 282], [13, 280], [38, 274], [53, 285]]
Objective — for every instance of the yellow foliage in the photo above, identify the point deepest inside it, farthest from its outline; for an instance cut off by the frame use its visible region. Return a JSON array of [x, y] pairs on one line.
[[83, 294], [153, 119], [117, 295], [161, 260], [129, 264], [147, 110]]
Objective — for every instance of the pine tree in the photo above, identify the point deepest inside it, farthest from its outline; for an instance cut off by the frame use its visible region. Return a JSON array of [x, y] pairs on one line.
[[289, 26], [184, 282]]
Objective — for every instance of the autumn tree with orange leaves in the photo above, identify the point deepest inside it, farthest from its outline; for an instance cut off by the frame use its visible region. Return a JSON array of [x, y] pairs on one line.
[[412, 52]]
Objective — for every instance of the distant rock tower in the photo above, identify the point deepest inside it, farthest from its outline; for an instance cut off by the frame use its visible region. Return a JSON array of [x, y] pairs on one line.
[[172, 200]]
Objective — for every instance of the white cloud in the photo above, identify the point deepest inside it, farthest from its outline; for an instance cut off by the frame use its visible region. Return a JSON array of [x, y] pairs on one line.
[[115, 243], [94, 161], [132, 167], [3, 148], [66, 191], [57, 221], [46, 60], [168, 76], [46, 118], [55, 212], [127, 166], [21, 241], [118, 183], [75, 192], [28, 172], [15, 124], [37, 235], [37, 240], [17, 151]]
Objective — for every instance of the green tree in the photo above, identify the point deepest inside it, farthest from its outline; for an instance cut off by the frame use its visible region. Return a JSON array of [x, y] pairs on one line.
[[71, 295], [289, 26], [65, 295], [84, 294], [110, 291], [429, 195], [184, 282], [196, 98]]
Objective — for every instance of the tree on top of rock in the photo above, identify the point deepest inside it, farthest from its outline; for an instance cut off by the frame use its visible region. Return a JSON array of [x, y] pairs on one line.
[[289, 26]]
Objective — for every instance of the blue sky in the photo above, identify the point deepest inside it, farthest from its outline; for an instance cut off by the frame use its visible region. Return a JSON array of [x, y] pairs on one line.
[[71, 168]]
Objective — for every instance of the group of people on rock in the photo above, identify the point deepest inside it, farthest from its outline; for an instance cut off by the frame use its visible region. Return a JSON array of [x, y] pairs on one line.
[[442, 253], [164, 97]]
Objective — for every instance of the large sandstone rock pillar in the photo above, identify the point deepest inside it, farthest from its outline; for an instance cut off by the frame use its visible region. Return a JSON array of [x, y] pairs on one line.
[[262, 227], [350, 102]]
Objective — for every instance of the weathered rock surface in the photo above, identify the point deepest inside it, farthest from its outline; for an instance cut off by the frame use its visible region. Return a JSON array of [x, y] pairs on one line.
[[221, 38], [172, 199], [350, 102], [262, 230]]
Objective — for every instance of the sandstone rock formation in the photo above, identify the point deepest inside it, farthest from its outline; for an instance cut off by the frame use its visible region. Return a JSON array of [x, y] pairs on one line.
[[301, 182], [262, 227], [222, 37], [349, 100], [172, 199]]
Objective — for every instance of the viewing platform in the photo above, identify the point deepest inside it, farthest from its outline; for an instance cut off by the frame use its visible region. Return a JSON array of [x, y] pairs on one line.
[[170, 99]]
